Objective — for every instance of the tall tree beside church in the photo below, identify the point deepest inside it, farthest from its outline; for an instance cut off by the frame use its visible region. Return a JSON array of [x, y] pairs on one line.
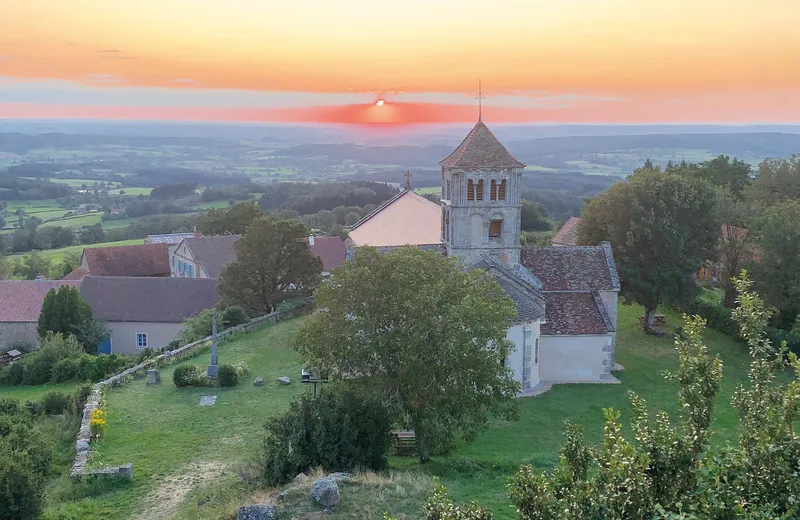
[[273, 263], [414, 328], [662, 227], [65, 312], [229, 221]]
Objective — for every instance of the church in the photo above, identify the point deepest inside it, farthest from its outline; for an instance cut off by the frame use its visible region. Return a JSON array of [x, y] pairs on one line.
[[566, 296]]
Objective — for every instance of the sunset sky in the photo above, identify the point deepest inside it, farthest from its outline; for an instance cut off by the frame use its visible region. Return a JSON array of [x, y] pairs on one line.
[[612, 61]]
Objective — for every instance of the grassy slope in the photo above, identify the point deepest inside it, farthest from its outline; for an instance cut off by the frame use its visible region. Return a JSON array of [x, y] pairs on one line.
[[167, 437], [34, 393]]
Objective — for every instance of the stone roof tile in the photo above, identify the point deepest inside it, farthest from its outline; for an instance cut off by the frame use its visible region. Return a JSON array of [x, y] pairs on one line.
[[21, 300], [568, 234], [572, 268], [213, 252], [479, 150], [575, 313]]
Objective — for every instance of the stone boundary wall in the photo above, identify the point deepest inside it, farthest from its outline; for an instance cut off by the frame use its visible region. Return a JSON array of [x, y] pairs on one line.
[[79, 467]]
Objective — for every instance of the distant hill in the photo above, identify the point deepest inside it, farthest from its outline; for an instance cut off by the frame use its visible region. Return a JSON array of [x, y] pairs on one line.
[[399, 155]]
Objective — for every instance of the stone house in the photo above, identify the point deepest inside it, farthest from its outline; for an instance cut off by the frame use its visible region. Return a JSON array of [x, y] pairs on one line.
[[204, 257], [145, 312], [20, 305], [566, 296]]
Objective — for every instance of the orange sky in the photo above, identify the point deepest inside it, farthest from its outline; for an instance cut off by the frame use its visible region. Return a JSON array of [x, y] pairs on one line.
[[540, 60]]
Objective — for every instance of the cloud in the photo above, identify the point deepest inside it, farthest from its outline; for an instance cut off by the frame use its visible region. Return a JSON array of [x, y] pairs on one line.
[[185, 81], [108, 51]]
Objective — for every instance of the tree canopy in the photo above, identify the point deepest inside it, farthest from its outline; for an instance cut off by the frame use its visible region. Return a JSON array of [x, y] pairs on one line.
[[229, 221], [534, 217], [273, 262], [413, 327], [662, 227], [65, 312]]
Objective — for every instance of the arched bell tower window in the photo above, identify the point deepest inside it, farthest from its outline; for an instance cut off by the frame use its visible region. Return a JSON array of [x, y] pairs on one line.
[[493, 190], [495, 228], [501, 194], [470, 190], [480, 190]]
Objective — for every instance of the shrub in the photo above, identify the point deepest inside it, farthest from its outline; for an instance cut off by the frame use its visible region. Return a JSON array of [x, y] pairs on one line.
[[172, 345], [227, 375], [55, 403], [190, 375], [20, 486], [716, 315], [35, 408], [233, 316], [11, 375], [338, 430], [9, 406], [145, 355], [64, 370]]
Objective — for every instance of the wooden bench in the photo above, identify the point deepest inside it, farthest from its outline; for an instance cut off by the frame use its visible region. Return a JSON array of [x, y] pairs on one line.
[[659, 319], [405, 442]]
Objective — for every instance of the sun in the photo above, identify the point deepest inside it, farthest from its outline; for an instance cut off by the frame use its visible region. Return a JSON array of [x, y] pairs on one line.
[[379, 103]]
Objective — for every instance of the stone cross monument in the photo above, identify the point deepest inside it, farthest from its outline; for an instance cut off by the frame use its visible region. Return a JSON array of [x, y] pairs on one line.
[[214, 366]]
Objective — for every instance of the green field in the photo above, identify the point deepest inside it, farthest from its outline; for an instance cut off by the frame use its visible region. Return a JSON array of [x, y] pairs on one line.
[[132, 191], [427, 191], [187, 458], [57, 254]]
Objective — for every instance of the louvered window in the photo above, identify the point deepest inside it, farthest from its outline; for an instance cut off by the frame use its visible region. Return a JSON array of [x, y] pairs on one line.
[[470, 190], [493, 190], [501, 195], [480, 190]]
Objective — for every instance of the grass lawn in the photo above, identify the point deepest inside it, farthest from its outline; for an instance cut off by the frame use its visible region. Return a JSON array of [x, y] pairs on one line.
[[35, 393], [187, 458]]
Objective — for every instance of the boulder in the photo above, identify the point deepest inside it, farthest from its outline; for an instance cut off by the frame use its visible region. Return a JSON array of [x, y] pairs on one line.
[[284, 380], [257, 512], [153, 377], [301, 479], [258, 382], [326, 492]]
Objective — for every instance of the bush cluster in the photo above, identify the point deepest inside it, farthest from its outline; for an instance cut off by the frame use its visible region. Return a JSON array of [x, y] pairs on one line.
[[55, 403], [190, 375], [59, 359], [227, 375], [717, 316], [338, 430]]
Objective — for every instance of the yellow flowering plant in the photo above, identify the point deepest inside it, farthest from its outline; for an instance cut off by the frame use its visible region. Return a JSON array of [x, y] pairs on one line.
[[97, 423]]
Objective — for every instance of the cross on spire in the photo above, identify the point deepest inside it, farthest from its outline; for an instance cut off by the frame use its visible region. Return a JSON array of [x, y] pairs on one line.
[[480, 98], [408, 176]]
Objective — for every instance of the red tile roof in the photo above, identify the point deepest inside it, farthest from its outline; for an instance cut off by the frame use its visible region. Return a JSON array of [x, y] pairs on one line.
[[568, 234], [481, 149], [76, 274], [575, 313], [330, 250], [21, 300], [138, 260], [572, 268]]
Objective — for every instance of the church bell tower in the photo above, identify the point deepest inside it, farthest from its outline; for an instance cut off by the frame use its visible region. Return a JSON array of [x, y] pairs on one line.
[[481, 199]]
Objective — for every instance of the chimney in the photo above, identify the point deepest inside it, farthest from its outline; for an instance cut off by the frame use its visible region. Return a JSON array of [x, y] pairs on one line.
[[196, 234], [311, 240], [39, 277]]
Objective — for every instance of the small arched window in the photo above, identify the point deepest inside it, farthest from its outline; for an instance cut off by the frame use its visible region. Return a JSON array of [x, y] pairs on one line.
[[480, 190], [501, 194], [470, 190], [493, 190]]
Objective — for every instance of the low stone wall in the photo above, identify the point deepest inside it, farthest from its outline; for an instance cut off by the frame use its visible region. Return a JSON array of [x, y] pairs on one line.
[[83, 442]]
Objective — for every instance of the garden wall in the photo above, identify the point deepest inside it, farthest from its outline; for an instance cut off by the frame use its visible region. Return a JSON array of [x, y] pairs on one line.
[[82, 445]]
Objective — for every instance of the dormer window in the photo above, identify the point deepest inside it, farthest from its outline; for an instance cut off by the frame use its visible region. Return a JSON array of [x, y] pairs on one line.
[[501, 193], [480, 190], [493, 190], [470, 190]]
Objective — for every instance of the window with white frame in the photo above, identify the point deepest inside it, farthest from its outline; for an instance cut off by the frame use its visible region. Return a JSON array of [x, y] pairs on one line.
[[141, 340]]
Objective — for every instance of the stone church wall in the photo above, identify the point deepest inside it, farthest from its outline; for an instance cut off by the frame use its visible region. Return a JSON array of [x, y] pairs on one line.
[[576, 359]]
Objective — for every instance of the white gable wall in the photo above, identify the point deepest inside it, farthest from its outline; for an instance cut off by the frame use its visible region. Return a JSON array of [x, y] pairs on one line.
[[576, 359], [123, 335], [516, 359]]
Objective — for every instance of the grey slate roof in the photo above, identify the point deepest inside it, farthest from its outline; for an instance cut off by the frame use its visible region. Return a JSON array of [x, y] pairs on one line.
[[137, 299], [481, 149], [529, 300], [572, 313], [213, 252]]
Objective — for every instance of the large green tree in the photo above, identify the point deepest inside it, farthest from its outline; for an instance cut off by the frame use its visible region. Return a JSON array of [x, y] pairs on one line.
[[662, 227], [273, 263], [413, 327], [229, 221], [777, 273], [534, 216], [776, 180], [64, 311]]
